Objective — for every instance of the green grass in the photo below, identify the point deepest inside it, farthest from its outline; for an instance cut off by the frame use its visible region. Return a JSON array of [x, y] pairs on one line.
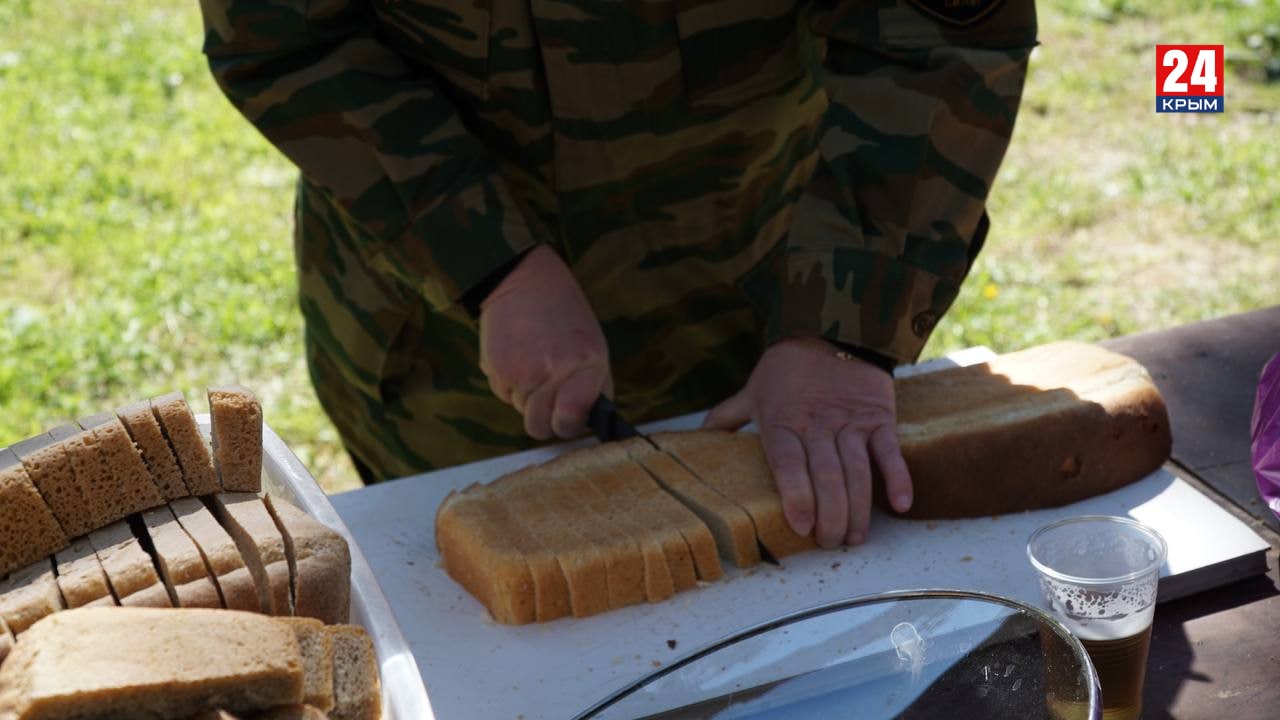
[[145, 230]]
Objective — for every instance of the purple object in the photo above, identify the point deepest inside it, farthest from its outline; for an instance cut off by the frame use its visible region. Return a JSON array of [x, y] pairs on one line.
[[1266, 435]]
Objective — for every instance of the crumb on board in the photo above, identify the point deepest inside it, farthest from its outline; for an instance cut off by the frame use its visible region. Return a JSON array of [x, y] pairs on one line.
[[835, 566], [656, 663], [967, 558], [671, 644]]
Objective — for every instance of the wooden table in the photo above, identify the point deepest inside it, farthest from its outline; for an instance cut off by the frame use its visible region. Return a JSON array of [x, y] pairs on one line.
[[1217, 654]]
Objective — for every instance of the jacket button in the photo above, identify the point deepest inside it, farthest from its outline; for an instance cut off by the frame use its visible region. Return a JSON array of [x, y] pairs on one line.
[[921, 324]]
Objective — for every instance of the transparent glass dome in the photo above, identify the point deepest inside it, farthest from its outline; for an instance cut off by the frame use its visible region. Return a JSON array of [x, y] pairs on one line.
[[919, 654]]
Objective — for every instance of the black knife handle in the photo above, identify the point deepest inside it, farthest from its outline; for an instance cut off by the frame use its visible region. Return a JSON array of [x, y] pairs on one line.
[[604, 423]]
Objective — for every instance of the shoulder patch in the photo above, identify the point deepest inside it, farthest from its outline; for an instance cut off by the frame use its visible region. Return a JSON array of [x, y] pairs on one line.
[[957, 13]]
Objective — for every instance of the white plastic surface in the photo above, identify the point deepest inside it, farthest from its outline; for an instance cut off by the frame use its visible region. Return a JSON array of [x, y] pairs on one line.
[[403, 694]]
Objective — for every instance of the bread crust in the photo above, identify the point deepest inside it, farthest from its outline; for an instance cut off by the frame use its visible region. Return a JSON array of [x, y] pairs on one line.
[[320, 564]]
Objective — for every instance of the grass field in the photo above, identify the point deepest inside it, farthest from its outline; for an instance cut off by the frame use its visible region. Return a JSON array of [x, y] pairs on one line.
[[145, 228]]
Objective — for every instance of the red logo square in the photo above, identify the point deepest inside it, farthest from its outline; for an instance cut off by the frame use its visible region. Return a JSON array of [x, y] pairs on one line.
[[1189, 70]]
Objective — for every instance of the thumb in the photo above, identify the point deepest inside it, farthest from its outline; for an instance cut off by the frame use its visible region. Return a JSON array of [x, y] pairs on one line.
[[731, 414]]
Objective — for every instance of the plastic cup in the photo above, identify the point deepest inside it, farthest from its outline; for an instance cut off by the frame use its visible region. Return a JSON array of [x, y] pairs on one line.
[[1098, 575]]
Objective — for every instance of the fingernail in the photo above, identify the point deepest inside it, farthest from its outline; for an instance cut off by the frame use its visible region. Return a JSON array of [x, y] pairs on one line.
[[902, 503]]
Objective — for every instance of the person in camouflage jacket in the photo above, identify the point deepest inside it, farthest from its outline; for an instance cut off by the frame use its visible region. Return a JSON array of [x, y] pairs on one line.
[[508, 206]]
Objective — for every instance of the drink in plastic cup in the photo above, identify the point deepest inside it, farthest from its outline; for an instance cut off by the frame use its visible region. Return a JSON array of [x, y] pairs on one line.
[[1098, 575]]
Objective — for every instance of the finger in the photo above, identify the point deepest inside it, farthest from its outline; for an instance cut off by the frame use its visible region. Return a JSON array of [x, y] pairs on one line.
[[830, 497], [786, 458], [537, 412], [857, 478], [731, 414], [499, 390], [573, 401], [888, 457], [521, 391]]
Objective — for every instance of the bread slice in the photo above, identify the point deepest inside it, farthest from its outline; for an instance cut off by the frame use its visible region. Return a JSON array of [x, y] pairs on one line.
[[734, 533], [316, 645], [188, 445], [28, 595], [103, 505], [28, 529], [246, 519], [319, 564], [483, 548], [357, 692], [1038, 428], [583, 565], [6, 640], [619, 510], [182, 568], [145, 431], [132, 479], [226, 566], [80, 576], [130, 570], [236, 430], [181, 662], [734, 464], [50, 471]]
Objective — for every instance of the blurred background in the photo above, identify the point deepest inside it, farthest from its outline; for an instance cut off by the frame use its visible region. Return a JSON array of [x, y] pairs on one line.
[[146, 233]]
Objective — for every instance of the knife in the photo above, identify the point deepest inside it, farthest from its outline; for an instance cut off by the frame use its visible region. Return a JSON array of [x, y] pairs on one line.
[[606, 424]]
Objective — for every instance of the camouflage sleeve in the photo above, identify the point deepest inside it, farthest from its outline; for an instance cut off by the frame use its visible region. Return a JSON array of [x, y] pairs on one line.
[[373, 133], [923, 95]]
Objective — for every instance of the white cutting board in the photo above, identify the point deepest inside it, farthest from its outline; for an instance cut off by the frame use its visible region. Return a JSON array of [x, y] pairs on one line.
[[475, 668]]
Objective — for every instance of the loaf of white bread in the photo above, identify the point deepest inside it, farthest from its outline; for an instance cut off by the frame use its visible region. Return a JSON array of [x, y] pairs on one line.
[[129, 510], [106, 663], [637, 521]]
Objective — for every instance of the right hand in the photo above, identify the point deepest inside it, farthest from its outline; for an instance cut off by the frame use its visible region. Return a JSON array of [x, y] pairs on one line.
[[541, 347]]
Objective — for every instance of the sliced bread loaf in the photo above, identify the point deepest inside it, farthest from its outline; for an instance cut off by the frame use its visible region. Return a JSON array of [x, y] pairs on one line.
[[483, 548], [236, 431], [188, 445], [316, 645], [130, 570], [734, 533], [145, 431], [28, 529], [50, 470], [28, 595], [735, 465], [222, 557], [124, 463], [182, 568], [619, 511], [246, 519], [102, 504], [319, 564], [357, 691], [80, 576], [181, 662]]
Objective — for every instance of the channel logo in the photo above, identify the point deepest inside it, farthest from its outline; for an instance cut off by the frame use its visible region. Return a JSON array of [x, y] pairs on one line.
[[1189, 78]]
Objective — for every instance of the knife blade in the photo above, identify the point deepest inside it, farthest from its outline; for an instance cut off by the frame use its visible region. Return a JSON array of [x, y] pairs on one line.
[[606, 424]]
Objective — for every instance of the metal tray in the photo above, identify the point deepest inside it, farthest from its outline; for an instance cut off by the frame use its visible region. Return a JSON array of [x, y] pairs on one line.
[[403, 695]]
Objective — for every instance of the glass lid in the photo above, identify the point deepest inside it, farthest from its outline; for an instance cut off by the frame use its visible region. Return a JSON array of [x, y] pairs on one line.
[[914, 654]]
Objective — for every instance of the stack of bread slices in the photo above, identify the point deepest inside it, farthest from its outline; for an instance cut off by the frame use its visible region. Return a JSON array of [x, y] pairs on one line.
[[137, 509], [634, 521]]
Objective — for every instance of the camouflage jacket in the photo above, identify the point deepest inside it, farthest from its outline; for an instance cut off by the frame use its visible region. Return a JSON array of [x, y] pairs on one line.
[[711, 170]]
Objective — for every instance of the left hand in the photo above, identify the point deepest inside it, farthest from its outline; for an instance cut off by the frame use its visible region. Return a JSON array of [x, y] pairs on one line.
[[822, 420]]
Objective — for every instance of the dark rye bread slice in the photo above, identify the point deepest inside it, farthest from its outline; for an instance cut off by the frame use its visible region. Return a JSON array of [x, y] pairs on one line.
[[583, 565], [483, 548], [235, 421], [181, 565], [129, 568], [132, 479], [245, 518], [80, 576], [735, 465], [145, 431], [28, 529], [49, 469], [28, 595], [222, 557], [181, 662], [319, 564], [356, 688], [188, 445], [734, 533], [102, 504], [316, 645]]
